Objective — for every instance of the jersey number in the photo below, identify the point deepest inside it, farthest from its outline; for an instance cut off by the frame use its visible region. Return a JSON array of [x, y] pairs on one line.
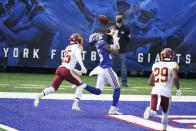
[[163, 72], [67, 56]]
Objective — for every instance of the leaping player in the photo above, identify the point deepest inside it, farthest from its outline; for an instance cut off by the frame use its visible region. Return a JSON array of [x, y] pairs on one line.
[[162, 76], [104, 71], [66, 71]]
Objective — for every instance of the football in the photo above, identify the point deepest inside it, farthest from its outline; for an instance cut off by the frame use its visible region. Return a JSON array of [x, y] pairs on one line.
[[103, 19]]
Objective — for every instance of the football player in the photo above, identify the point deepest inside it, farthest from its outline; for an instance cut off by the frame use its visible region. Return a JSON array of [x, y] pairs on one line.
[[163, 74], [66, 71], [104, 72]]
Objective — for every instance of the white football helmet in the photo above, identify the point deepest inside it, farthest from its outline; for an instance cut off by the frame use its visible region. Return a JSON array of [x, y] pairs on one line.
[[95, 37]]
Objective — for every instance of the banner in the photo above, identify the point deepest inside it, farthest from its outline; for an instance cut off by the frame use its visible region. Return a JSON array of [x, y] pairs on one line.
[[34, 33]]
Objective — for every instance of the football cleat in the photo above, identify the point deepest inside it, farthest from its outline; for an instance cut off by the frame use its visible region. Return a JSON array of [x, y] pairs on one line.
[[147, 113], [114, 111], [76, 107], [36, 102], [37, 99]]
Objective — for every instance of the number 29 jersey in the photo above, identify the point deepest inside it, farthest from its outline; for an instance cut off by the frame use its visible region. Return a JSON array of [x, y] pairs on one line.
[[163, 77]]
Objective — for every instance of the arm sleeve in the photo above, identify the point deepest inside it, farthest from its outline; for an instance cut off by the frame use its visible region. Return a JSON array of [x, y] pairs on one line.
[[78, 55], [175, 66], [101, 43]]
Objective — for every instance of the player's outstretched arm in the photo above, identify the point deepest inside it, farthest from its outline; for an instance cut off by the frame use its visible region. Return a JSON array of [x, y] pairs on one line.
[[111, 50], [79, 59], [151, 80], [176, 82]]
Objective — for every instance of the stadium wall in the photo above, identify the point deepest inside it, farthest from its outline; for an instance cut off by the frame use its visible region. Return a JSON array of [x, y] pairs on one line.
[[34, 33]]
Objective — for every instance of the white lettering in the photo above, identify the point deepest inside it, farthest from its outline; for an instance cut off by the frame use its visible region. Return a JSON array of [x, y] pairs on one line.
[[148, 57], [15, 52], [140, 57], [188, 59], [62, 54], [157, 59], [53, 53], [35, 55], [83, 55], [25, 52], [5, 51], [178, 57], [93, 55]]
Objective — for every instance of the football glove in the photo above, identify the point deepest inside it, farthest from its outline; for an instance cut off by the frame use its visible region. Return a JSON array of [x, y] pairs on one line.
[[116, 42], [115, 38], [84, 70]]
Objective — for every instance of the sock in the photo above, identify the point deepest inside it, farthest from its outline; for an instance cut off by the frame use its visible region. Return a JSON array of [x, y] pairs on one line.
[[49, 90], [76, 100], [93, 90], [116, 96], [112, 108], [164, 120], [79, 91]]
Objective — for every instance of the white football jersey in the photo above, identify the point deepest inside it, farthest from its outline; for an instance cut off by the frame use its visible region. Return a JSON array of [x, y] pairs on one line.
[[163, 77], [72, 55]]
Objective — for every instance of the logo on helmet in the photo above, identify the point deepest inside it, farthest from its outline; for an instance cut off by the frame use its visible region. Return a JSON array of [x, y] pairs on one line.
[[76, 39], [94, 38], [167, 54]]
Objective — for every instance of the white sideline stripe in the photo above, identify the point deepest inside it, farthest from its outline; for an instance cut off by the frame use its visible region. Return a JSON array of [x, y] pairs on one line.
[[137, 120], [7, 128], [107, 89], [148, 123], [25, 87], [39, 87], [185, 121], [179, 116], [92, 97]]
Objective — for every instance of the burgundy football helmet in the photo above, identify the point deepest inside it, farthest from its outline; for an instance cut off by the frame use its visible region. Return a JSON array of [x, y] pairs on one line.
[[167, 54], [76, 39]]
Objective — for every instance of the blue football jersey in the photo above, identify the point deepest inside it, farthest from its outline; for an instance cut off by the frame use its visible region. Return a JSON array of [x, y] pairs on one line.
[[104, 56]]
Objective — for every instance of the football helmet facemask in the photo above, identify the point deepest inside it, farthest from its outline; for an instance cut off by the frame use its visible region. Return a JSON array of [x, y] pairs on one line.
[[76, 39], [94, 38], [167, 54]]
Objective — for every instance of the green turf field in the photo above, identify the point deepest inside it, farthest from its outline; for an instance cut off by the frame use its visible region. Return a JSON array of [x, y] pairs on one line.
[[24, 82]]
